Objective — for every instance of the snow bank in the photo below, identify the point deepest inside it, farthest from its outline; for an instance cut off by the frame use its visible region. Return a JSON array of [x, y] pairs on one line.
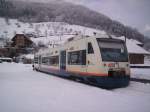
[[140, 73]]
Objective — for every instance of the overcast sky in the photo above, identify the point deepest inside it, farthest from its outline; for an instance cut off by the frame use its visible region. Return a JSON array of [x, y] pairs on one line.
[[135, 13]]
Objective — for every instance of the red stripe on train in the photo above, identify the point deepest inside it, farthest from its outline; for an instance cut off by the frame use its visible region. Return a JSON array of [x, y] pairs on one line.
[[80, 73], [87, 73]]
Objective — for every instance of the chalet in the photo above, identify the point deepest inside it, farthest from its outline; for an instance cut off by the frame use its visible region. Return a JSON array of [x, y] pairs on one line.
[[136, 52], [21, 41]]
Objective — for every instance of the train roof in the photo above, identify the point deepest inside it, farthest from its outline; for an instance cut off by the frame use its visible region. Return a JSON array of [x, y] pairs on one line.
[[110, 40], [102, 37]]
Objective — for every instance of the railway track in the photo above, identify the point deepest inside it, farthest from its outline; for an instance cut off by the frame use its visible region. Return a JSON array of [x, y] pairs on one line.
[[140, 80]]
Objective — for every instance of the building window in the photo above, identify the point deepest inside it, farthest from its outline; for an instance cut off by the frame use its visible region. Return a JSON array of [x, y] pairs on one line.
[[90, 48], [77, 58]]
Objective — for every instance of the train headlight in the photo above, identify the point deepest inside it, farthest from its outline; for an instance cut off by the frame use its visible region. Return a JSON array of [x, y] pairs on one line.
[[111, 65]]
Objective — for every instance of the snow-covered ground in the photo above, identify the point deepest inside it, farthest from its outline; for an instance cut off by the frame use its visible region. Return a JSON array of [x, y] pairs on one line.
[[25, 90], [140, 73]]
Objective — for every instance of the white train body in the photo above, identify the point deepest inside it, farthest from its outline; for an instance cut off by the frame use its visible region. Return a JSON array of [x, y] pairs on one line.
[[100, 61]]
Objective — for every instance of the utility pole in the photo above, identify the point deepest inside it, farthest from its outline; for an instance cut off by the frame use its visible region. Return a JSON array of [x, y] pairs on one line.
[[125, 37]]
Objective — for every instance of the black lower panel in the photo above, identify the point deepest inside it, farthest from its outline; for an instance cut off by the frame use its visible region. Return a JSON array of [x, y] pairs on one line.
[[101, 81], [109, 82]]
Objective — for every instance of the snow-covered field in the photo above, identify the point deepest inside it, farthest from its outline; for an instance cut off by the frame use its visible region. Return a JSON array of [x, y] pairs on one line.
[[25, 90]]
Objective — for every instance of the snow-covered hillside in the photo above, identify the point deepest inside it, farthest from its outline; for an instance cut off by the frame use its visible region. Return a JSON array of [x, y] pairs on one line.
[[45, 32], [55, 33]]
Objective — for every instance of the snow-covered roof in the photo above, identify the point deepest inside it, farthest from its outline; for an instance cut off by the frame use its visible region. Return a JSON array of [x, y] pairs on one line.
[[28, 56], [135, 49], [136, 42]]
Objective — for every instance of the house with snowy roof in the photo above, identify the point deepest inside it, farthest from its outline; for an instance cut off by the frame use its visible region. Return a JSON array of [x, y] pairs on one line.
[[136, 52], [21, 41], [19, 44]]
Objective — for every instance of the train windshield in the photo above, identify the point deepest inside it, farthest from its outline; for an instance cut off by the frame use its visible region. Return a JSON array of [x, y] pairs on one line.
[[114, 51]]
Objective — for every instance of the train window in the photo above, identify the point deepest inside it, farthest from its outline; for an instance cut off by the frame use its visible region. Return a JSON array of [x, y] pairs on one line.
[[77, 58], [36, 60], [54, 60], [90, 48], [45, 60]]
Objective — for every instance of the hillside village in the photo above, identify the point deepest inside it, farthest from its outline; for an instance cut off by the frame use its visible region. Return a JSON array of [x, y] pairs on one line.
[[18, 39]]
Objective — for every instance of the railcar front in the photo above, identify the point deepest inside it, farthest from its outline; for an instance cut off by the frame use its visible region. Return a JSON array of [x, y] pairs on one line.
[[114, 63]]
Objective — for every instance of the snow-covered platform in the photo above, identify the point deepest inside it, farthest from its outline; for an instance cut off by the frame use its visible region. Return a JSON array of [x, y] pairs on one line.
[[140, 73], [25, 90]]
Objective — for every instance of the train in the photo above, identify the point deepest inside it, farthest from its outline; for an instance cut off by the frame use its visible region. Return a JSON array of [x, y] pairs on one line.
[[100, 61]]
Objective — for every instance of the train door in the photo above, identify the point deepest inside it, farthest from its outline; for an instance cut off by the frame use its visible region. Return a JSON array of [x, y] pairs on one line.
[[90, 58], [63, 60], [40, 61]]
